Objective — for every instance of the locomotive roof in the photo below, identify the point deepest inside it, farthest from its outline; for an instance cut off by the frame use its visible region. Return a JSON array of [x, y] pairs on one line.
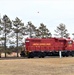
[[46, 38]]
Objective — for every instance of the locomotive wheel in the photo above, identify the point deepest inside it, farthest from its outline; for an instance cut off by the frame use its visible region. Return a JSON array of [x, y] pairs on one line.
[[31, 55], [63, 54], [72, 53], [41, 55]]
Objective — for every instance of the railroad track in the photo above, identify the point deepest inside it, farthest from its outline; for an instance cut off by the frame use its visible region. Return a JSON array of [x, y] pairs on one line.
[[10, 58]]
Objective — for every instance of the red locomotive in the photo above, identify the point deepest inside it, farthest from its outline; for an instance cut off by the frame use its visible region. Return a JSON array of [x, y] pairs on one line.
[[42, 47]]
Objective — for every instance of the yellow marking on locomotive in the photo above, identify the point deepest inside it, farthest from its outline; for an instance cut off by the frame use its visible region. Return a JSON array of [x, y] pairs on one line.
[[41, 44], [48, 44], [35, 44]]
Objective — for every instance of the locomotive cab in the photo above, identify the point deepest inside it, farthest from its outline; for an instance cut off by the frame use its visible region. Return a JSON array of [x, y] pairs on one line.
[[70, 48]]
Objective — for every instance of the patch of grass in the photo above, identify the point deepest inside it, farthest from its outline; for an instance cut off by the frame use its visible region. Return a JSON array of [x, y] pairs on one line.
[[36, 66]]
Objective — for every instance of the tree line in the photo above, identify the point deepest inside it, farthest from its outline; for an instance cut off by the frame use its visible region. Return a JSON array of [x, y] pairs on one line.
[[15, 29]]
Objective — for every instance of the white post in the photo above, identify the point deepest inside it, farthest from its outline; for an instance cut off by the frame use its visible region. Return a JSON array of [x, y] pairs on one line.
[[60, 54]]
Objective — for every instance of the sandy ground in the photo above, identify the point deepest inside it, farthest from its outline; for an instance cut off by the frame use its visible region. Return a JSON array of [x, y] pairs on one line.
[[10, 55], [37, 66]]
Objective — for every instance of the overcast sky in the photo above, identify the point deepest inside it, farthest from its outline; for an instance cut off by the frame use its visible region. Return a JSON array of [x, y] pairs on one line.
[[49, 12]]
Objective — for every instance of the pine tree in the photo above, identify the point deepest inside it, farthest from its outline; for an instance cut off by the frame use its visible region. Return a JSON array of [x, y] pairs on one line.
[[62, 31], [6, 25], [30, 29], [43, 32], [18, 29]]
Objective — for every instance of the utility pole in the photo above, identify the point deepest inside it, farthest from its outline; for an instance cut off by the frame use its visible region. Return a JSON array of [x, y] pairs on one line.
[[60, 54]]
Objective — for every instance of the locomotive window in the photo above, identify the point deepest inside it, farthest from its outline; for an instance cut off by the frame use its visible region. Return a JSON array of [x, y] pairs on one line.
[[70, 42]]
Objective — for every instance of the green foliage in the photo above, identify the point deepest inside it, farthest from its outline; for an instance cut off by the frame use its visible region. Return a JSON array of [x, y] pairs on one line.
[[62, 31], [18, 25], [30, 29], [18, 28], [13, 49], [5, 27], [10, 49], [43, 32]]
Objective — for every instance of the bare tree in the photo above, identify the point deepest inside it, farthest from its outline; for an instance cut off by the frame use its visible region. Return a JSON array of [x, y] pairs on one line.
[[62, 31]]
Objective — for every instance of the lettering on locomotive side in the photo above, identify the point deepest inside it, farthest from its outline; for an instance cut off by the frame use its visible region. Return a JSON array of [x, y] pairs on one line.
[[42, 44], [35, 44], [48, 44]]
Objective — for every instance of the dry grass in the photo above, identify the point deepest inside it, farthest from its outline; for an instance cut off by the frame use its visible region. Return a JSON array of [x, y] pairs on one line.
[[36, 66]]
